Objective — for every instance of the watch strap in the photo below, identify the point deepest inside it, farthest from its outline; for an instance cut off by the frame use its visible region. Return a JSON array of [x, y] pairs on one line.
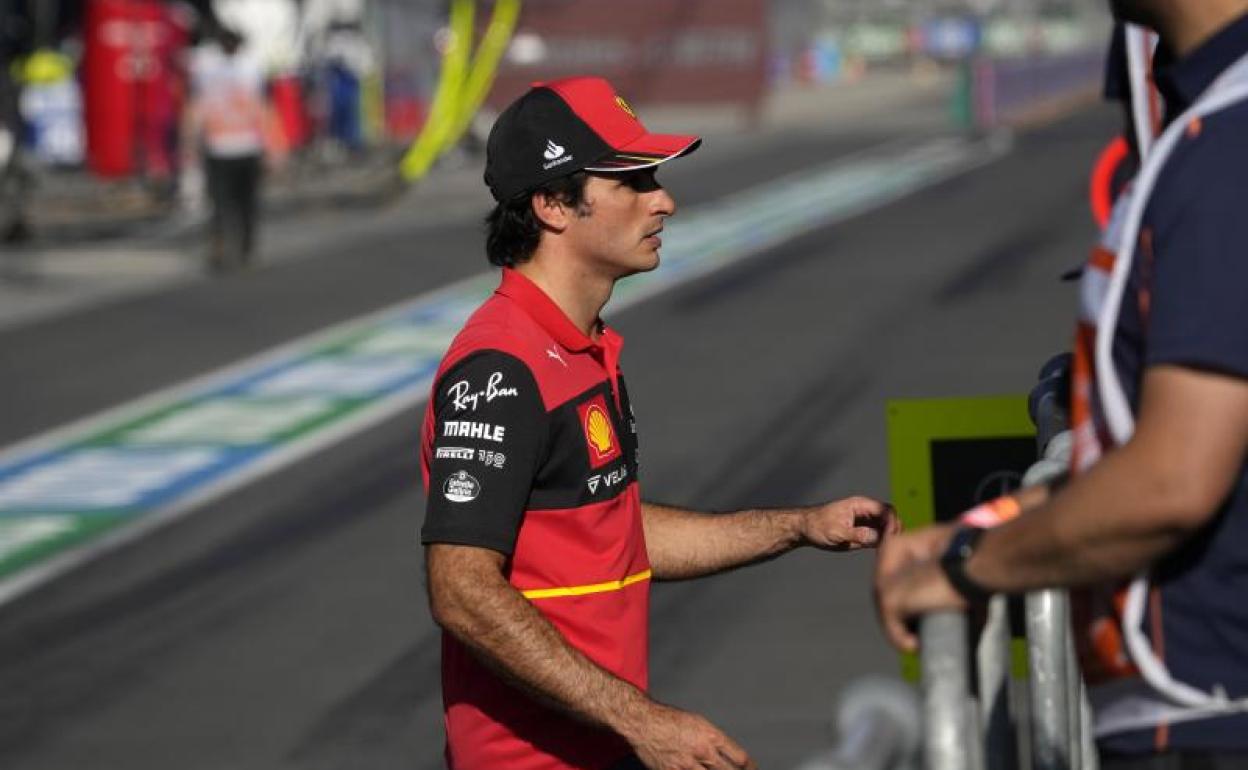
[[953, 563]]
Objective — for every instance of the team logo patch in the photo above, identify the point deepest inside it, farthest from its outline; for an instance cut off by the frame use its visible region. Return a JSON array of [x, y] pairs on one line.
[[491, 459], [461, 488], [555, 155], [623, 105], [600, 436], [552, 150]]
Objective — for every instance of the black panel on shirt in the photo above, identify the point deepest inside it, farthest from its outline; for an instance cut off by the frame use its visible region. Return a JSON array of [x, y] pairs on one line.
[[491, 435], [629, 425], [569, 479]]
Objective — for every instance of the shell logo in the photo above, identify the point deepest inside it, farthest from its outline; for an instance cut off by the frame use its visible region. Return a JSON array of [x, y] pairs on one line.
[[598, 431], [623, 105], [601, 443]]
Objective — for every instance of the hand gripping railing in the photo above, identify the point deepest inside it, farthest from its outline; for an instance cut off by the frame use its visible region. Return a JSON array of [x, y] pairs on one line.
[[968, 719]]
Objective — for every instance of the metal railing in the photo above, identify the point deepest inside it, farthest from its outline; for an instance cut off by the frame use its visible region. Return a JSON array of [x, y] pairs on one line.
[[970, 722], [1054, 722], [970, 712]]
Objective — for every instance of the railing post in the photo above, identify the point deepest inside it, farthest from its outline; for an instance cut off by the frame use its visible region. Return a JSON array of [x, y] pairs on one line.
[[1087, 740], [1048, 645], [993, 663], [947, 723]]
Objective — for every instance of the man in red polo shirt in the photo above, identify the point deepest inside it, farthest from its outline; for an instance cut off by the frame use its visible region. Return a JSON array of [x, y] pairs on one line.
[[540, 550]]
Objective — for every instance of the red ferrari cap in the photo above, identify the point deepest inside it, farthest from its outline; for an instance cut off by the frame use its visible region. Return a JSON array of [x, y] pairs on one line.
[[569, 125]]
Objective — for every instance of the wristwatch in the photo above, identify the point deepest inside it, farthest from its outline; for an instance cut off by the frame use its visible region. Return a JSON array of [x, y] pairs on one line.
[[953, 562]]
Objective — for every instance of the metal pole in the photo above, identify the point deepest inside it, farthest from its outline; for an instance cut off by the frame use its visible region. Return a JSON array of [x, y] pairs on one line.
[[1074, 685], [1087, 743], [944, 657], [1047, 633], [993, 658]]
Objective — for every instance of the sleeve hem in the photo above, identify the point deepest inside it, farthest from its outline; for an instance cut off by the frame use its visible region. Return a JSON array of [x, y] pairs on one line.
[[1199, 362], [503, 545]]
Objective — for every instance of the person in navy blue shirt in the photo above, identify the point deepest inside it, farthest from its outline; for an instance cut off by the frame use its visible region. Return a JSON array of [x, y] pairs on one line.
[[1167, 498]]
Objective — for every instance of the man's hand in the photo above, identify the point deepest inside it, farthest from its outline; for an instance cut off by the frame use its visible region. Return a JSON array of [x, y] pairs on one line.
[[849, 524], [909, 582], [666, 738]]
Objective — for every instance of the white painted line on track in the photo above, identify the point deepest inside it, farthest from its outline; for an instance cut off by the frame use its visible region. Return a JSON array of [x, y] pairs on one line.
[[72, 494]]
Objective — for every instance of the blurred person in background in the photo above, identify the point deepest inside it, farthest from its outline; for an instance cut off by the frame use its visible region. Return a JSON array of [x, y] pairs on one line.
[[15, 34], [228, 123], [539, 548], [1158, 485]]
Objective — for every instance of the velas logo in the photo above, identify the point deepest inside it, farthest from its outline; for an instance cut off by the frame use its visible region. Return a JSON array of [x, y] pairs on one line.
[[461, 488], [606, 480], [623, 105], [552, 150], [600, 438]]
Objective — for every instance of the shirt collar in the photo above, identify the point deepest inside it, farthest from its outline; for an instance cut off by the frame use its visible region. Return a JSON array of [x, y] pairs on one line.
[[550, 317], [1182, 81]]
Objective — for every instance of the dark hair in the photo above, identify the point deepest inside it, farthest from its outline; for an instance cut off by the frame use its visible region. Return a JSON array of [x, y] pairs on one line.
[[513, 231]]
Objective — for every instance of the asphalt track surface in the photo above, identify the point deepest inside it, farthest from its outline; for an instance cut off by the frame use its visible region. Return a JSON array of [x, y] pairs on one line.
[[285, 626]]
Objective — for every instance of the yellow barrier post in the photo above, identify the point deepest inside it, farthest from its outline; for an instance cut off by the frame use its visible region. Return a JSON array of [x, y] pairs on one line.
[[484, 67], [429, 144], [462, 86]]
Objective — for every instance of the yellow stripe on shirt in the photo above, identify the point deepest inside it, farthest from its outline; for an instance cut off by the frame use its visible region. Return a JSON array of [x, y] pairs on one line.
[[594, 588]]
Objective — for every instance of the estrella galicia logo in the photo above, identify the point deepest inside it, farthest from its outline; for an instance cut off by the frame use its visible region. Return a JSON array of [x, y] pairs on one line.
[[461, 488]]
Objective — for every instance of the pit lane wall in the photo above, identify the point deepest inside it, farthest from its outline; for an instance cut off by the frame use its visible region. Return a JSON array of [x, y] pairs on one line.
[[996, 92]]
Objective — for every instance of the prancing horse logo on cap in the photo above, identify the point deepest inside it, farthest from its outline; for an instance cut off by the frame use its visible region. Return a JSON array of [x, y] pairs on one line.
[[624, 106], [552, 150]]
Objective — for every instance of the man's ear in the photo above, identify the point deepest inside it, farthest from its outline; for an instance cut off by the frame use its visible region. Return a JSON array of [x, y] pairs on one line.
[[550, 211]]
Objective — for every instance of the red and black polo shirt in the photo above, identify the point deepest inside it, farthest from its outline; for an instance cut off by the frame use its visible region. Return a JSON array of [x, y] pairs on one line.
[[529, 448]]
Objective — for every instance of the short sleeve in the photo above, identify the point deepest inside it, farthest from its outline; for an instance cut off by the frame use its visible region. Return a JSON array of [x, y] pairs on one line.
[[1199, 287], [490, 429]]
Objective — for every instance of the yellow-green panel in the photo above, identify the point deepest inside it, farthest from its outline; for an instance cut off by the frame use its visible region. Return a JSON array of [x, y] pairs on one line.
[[915, 422], [913, 425]]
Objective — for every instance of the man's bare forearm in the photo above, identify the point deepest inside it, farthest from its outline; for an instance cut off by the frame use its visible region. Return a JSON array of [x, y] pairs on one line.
[[684, 544], [1105, 525], [1138, 502], [473, 602]]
